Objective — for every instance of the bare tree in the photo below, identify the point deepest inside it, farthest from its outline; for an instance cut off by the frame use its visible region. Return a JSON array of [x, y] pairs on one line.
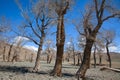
[[38, 19], [73, 49], [48, 50], [108, 37], [70, 49], [4, 24], [5, 27], [9, 52], [90, 30], [61, 7], [18, 45]]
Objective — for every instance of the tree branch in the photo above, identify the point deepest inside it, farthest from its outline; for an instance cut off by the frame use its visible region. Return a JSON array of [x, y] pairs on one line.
[[96, 9], [34, 31], [32, 40], [111, 16]]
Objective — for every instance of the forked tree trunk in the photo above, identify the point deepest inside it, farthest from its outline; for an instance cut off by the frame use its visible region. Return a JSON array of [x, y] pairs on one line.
[[60, 47], [86, 59], [108, 54], [37, 62]]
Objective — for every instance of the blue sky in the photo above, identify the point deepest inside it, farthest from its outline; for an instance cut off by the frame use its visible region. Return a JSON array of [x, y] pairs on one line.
[[10, 9]]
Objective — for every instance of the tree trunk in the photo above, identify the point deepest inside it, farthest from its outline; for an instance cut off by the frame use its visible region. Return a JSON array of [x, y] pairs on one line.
[[94, 55], [108, 54], [31, 58], [60, 47], [37, 62], [100, 59], [47, 58], [9, 52], [50, 59], [86, 59], [78, 61], [73, 57], [4, 53]]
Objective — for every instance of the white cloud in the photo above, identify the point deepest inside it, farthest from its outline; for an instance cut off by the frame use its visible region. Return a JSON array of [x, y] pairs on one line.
[[115, 49], [19, 38], [68, 43], [33, 48]]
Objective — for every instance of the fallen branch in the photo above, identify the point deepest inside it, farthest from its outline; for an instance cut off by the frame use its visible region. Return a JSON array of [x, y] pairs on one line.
[[107, 68]]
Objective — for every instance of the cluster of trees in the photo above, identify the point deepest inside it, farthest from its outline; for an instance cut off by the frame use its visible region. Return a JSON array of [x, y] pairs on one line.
[[43, 14]]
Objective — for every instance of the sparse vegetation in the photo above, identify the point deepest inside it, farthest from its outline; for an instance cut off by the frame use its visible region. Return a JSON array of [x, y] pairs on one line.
[[60, 56]]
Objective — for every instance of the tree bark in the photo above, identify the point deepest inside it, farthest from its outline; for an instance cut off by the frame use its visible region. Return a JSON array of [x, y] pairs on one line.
[[94, 55], [4, 53], [108, 54], [60, 47], [37, 62], [86, 59], [73, 56], [9, 53], [100, 59], [78, 61]]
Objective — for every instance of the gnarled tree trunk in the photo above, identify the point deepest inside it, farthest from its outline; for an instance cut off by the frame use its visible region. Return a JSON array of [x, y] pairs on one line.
[[60, 47], [86, 59], [108, 54]]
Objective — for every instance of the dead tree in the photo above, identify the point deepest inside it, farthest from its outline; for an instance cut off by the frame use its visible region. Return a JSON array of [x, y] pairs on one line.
[[5, 26], [37, 22], [4, 53], [108, 37], [91, 30], [61, 7], [9, 52]]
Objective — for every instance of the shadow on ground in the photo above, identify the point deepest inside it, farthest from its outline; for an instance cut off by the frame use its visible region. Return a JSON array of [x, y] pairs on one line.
[[23, 70]]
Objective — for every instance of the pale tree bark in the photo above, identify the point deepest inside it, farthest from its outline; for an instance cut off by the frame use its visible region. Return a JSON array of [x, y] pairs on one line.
[[38, 18], [4, 53], [9, 52], [31, 57], [37, 63]]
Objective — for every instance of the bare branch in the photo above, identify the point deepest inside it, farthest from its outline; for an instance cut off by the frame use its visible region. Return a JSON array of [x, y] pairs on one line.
[[96, 9], [32, 40], [111, 16], [34, 31], [102, 8]]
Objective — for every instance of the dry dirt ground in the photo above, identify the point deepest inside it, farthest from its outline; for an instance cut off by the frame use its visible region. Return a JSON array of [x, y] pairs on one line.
[[19, 71]]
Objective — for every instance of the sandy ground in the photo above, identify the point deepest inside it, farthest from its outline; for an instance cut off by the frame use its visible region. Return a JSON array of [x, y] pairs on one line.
[[19, 71]]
